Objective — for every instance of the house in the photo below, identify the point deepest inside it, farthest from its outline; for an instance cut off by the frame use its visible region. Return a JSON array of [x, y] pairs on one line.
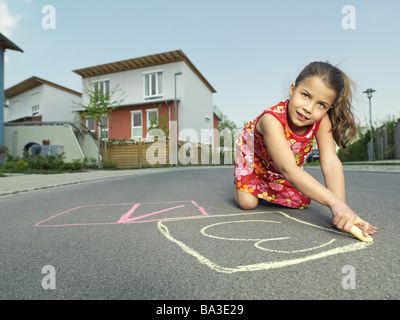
[[5, 44], [152, 86], [36, 99]]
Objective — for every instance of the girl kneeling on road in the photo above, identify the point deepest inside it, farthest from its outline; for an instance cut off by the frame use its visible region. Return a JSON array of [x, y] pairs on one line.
[[272, 148]]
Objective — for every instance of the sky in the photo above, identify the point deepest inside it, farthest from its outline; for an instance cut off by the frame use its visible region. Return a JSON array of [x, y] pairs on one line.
[[250, 51]]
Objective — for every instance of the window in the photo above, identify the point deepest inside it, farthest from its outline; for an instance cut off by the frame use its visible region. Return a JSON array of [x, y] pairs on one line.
[[103, 86], [104, 126], [35, 103], [35, 109], [152, 120], [153, 85], [207, 123], [90, 124], [208, 128], [136, 124]]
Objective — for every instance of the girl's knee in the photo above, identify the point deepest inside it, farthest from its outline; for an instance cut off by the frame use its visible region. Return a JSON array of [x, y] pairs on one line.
[[248, 205], [245, 201]]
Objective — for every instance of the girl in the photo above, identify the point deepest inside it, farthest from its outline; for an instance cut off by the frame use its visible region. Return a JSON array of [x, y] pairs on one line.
[[272, 148]]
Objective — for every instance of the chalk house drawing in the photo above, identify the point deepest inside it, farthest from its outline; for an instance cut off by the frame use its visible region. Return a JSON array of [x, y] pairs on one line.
[[123, 213], [266, 240]]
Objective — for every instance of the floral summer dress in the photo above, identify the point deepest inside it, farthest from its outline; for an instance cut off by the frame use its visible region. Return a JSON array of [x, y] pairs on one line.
[[257, 174]]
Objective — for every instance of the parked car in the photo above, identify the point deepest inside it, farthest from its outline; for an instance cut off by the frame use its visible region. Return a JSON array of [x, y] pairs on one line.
[[313, 156]]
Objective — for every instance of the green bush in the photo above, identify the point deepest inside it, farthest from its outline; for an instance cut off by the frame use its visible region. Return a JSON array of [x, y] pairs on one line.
[[90, 163], [389, 152], [357, 151], [108, 164], [42, 164], [68, 166], [73, 166], [51, 162], [21, 165], [77, 164], [9, 165]]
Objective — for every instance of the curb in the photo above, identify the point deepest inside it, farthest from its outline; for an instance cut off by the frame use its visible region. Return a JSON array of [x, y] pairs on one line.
[[393, 169], [63, 184]]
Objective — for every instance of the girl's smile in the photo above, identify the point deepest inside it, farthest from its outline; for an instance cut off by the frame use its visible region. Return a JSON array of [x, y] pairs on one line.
[[301, 117], [309, 102]]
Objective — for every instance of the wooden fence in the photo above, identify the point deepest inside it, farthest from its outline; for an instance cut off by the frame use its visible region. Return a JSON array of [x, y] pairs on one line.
[[142, 154], [387, 142]]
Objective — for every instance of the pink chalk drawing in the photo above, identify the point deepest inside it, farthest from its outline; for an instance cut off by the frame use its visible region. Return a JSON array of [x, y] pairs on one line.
[[137, 213]]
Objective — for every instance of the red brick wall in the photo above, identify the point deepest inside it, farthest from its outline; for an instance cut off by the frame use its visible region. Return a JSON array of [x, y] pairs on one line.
[[216, 133], [120, 122]]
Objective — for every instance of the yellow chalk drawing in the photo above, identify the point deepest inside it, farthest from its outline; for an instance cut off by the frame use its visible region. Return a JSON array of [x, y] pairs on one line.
[[267, 265], [203, 231]]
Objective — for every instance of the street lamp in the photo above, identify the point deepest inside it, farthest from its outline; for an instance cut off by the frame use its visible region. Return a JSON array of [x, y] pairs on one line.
[[369, 95], [176, 121]]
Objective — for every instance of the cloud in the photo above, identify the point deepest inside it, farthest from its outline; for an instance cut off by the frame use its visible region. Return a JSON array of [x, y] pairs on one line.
[[8, 20]]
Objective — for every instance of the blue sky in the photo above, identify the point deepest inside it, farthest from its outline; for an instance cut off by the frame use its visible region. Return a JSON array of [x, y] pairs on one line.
[[250, 51]]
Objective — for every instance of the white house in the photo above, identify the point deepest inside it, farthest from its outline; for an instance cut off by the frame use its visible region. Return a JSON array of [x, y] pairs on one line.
[[36, 99], [151, 86]]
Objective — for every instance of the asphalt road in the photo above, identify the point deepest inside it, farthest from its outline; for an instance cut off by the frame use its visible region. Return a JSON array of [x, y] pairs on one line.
[[179, 235]]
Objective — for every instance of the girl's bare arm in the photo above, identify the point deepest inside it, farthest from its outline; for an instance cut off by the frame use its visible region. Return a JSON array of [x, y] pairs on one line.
[[332, 197]]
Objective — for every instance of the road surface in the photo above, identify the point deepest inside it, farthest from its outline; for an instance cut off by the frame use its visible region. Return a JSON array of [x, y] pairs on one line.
[[180, 236]]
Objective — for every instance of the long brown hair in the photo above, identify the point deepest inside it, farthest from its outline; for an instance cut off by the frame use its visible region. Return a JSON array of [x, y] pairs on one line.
[[341, 115]]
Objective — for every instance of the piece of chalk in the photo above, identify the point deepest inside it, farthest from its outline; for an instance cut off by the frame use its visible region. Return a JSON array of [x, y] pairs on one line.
[[356, 231]]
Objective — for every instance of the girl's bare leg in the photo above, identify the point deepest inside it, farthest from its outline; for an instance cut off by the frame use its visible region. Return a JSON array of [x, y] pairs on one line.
[[244, 200]]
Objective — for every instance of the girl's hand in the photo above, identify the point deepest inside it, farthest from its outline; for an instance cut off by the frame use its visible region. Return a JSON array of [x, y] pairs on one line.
[[344, 218]]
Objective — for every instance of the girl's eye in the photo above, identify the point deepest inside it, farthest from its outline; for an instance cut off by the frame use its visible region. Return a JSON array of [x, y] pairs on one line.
[[305, 95], [321, 105]]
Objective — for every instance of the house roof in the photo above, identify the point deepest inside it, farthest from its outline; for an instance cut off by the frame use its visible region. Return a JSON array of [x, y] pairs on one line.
[[142, 62], [31, 83], [6, 43]]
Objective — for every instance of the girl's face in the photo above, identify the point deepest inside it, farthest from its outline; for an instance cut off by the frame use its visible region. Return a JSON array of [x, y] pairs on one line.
[[309, 102]]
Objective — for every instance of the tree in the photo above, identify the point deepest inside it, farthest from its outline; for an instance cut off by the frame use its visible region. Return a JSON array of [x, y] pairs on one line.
[[160, 121], [100, 105], [358, 150], [228, 131], [227, 124]]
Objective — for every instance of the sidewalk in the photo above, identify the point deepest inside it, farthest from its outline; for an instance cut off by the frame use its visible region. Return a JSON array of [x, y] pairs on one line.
[[17, 183], [382, 166]]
